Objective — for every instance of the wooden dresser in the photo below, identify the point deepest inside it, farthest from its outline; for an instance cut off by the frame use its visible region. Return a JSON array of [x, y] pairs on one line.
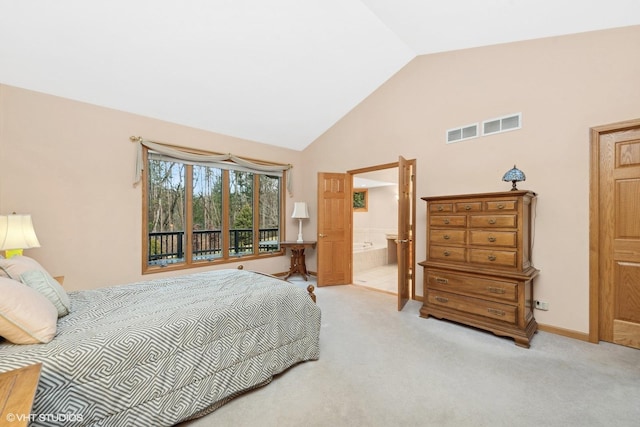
[[478, 269]]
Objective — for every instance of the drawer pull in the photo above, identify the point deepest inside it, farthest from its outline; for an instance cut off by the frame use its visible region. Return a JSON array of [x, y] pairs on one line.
[[491, 257], [497, 290], [491, 239], [442, 299], [440, 208], [446, 253], [496, 312], [500, 205], [492, 221], [446, 221], [446, 237], [467, 207], [441, 280]]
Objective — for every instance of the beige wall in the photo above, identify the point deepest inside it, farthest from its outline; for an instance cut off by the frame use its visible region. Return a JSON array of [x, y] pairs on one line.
[[561, 85], [71, 165]]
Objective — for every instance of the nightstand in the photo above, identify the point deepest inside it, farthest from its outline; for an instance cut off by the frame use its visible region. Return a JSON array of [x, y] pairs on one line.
[[17, 390]]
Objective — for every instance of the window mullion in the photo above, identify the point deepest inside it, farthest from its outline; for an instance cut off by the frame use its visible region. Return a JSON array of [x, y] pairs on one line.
[[283, 201], [225, 217], [256, 214], [145, 212], [188, 227]]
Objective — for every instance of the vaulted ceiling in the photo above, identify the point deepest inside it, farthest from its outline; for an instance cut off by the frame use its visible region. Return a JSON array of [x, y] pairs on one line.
[[279, 72]]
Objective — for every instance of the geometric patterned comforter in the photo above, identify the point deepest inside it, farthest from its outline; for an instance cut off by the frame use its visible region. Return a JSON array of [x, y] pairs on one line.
[[159, 352]]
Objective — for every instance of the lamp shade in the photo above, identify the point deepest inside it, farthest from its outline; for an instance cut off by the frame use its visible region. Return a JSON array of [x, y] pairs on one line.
[[300, 210], [16, 232]]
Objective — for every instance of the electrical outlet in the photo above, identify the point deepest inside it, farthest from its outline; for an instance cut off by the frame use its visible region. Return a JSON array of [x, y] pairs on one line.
[[542, 305]]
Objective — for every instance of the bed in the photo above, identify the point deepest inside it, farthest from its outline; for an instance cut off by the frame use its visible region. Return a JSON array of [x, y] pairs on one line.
[[167, 350]]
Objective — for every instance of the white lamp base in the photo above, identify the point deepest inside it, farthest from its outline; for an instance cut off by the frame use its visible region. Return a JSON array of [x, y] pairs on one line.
[[300, 239]]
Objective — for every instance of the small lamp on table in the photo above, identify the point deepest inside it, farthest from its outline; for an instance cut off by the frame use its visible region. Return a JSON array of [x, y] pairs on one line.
[[300, 212]]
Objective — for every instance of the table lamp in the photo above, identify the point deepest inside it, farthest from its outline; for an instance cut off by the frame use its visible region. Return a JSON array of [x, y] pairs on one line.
[[300, 212], [16, 234], [514, 175]]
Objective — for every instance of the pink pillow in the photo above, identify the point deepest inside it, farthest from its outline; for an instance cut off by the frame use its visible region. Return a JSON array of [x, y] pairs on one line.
[[15, 266], [26, 317]]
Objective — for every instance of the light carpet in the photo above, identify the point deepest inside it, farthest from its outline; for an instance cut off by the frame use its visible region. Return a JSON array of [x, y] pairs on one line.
[[381, 367]]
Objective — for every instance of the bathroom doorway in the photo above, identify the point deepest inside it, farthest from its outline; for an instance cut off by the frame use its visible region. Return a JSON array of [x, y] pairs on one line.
[[375, 222]]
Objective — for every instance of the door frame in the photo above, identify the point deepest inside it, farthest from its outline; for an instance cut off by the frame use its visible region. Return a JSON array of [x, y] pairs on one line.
[[412, 162], [594, 221]]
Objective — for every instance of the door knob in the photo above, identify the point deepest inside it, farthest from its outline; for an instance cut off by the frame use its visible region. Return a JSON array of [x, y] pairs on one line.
[[322, 235]]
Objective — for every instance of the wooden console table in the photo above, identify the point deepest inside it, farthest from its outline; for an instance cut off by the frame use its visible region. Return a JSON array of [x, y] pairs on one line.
[[297, 257]]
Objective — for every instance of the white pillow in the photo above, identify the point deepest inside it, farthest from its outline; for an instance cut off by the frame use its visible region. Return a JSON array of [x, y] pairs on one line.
[[16, 265], [26, 317], [31, 273], [49, 287]]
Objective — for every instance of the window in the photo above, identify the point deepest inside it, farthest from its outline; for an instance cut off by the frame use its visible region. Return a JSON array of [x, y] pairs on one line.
[[230, 211], [360, 200]]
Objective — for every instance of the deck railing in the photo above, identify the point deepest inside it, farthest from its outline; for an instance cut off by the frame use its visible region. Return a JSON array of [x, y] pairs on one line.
[[168, 246]]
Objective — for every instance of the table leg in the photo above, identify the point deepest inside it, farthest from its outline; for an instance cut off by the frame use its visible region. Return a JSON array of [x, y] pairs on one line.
[[292, 267], [297, 263]]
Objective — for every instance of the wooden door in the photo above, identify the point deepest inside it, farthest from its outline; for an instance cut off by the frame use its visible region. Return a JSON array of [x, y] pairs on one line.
[[619, 236], [334, 229], [403, 243]]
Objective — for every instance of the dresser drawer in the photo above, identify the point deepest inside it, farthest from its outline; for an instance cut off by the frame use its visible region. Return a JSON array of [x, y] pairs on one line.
[[493, 258], [447, 253], [440, 207], [469, 207], [493, 238], [448, 220], [492, 310], [448, 236], [472, 286], [498, 221], [501, 205]]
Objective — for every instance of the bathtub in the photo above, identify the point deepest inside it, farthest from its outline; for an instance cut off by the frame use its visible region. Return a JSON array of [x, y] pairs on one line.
[[367, 255], [363, 246]]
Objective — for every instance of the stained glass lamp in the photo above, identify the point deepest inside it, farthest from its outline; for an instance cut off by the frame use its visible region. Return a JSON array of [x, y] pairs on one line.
[[514, 175]]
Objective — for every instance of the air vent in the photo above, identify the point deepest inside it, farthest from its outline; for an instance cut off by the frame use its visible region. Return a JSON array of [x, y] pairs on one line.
[[462, 133], [502, 124]]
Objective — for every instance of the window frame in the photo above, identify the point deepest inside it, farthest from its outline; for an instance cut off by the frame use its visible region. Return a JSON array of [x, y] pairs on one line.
[[189, 262]]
